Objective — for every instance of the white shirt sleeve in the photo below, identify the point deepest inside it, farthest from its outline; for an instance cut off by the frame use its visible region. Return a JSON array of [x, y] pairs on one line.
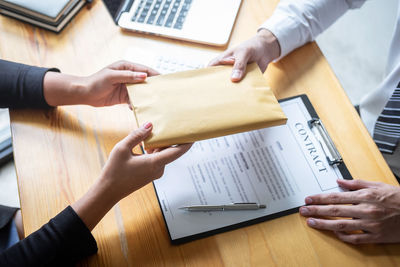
[[296, 22]]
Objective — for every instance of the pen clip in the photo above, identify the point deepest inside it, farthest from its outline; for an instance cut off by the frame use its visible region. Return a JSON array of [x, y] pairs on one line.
[[332, 154], [254, 204]]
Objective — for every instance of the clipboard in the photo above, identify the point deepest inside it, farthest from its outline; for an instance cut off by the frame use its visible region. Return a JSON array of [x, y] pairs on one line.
[[332, 154], [333, 157]]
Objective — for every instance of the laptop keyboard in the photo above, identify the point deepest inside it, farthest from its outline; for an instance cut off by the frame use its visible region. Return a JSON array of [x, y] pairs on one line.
[[169, 64], [163, 13]]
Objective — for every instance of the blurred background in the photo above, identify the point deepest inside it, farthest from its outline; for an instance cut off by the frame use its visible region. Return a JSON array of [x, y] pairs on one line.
[[356, 47]]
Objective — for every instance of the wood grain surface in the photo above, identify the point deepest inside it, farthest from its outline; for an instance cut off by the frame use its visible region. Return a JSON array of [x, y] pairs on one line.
[[60, 152]]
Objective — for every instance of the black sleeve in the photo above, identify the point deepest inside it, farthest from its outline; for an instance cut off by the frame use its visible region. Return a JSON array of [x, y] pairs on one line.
[[63, 241], [21, 86]]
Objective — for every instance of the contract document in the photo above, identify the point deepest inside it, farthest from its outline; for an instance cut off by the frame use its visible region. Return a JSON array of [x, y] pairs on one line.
[[277, 166]]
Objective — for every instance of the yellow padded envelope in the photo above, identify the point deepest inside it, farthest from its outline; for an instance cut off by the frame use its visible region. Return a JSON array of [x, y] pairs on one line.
[[200, 104]]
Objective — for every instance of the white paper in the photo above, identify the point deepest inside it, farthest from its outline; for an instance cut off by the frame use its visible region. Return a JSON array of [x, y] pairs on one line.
[[4, 125], [277, 166]]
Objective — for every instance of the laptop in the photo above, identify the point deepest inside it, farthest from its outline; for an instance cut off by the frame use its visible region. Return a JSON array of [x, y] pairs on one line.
[[202, 21]]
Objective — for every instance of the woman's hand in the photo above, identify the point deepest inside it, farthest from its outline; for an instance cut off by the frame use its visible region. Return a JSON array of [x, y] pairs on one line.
[[108, 86], [374, 212], [262, 48], [104, 88], [124, 173]]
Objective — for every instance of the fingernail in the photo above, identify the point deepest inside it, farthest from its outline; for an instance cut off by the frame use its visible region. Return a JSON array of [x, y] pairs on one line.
[[308, 200], [147, 125], [140, 75], [236, 74], [311, 222], [304, 211]]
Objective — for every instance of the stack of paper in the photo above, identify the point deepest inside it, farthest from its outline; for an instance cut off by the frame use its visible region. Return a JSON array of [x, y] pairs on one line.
[[49, 14], [5, 137]]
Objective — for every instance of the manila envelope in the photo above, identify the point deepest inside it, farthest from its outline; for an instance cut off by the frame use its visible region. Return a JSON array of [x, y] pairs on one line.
[[194, 105]]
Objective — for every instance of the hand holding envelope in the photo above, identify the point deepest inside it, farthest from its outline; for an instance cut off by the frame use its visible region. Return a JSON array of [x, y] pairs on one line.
[[194, 105]]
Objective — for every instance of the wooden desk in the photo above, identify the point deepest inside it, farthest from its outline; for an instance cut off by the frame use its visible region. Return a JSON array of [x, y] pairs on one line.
[[60, 152]]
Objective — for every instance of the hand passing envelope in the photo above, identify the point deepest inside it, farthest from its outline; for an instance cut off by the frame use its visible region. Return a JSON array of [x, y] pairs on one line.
[[194, 105]]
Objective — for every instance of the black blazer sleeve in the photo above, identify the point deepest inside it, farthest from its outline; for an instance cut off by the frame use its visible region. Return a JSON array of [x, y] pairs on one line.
[[21, 86], [63, 241]]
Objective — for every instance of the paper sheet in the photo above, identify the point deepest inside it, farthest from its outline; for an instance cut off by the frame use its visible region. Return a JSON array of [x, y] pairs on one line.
[[195, 105], [277, 166]]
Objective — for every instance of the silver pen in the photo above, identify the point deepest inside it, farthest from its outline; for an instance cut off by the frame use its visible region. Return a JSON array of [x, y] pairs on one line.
[[232, 206]]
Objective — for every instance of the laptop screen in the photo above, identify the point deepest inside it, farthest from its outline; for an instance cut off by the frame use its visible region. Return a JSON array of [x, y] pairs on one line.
[[115, 7]]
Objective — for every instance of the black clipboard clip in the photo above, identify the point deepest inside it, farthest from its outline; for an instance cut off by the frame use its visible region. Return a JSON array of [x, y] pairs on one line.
[[332, 154]]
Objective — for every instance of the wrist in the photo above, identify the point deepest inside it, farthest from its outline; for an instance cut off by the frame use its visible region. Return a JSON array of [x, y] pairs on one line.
[[95, 203], [270, 43], [62, 89], [104, 185]]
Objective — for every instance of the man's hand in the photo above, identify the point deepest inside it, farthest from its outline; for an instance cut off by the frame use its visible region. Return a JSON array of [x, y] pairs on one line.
[[262, 48], [104, 88], [372, 217]]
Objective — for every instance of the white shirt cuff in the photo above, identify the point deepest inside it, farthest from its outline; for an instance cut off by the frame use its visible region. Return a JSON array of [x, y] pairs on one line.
[[285, 30]]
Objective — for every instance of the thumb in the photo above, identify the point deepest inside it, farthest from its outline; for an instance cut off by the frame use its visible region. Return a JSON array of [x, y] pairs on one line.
[[239, 67], [137, 136]]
